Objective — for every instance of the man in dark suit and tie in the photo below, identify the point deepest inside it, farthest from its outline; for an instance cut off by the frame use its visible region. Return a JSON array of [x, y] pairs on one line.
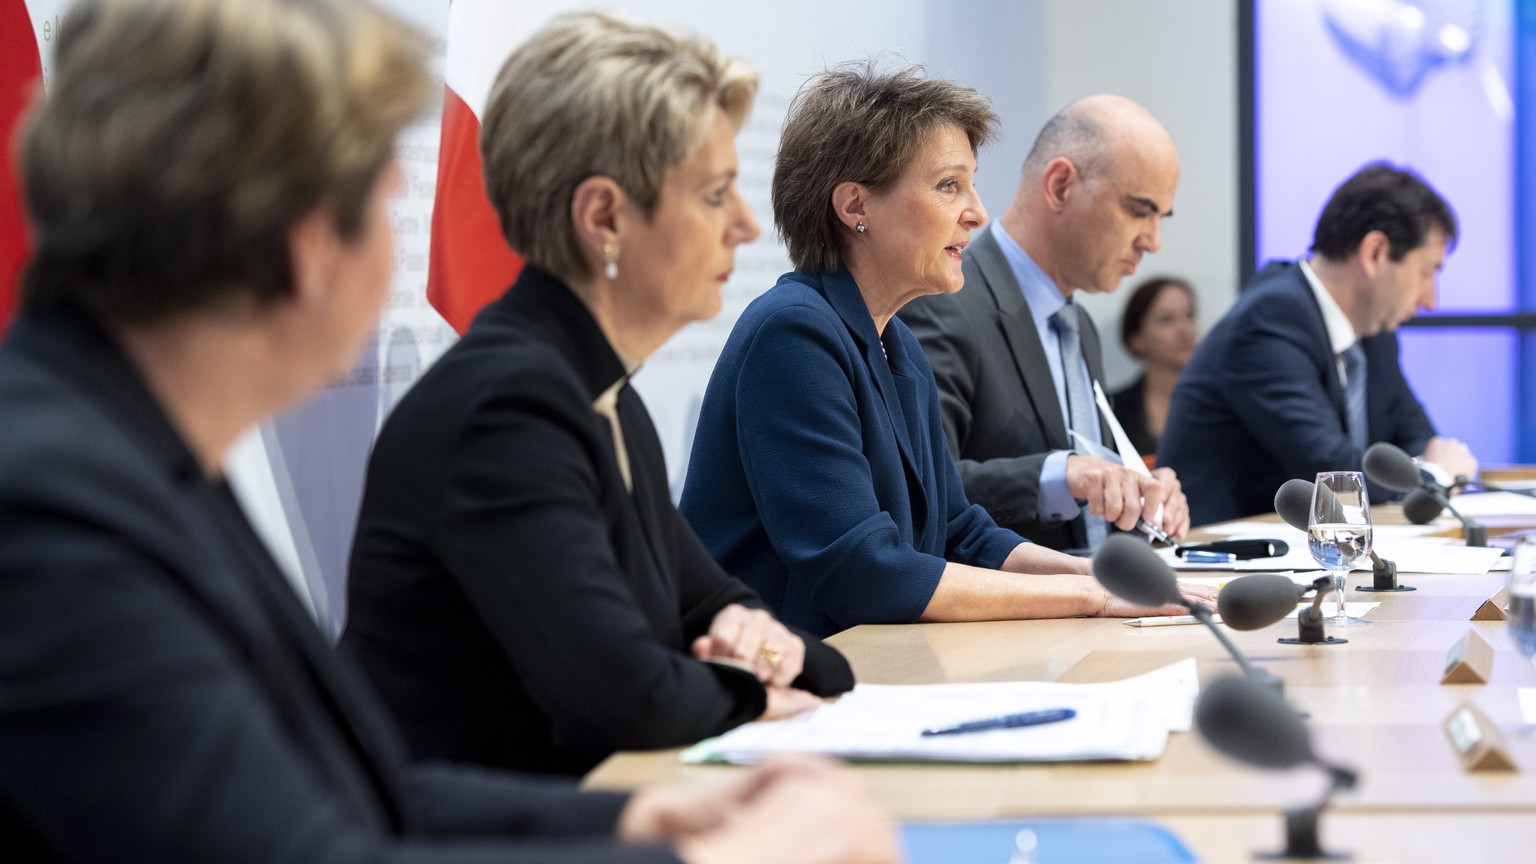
[[1302, 374], [1016, 360]]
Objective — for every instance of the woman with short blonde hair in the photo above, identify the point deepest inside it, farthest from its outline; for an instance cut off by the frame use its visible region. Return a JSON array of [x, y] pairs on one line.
[[522, 589], [598, 93]]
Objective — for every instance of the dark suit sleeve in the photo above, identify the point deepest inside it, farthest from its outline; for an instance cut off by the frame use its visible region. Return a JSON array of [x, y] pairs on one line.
[[707, 589], [954, 339], [522, 529], [1274, 380], [801, 445], [457, 800], [131, 730]]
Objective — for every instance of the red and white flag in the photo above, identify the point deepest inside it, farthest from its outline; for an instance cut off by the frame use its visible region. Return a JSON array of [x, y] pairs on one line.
[[470, 263], [21, 68]]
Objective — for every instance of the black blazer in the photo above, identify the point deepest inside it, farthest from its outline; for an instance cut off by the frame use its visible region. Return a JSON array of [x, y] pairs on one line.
[[516, 605], [1130, 406], [1001, 411], [1261, 403], [164, 696]]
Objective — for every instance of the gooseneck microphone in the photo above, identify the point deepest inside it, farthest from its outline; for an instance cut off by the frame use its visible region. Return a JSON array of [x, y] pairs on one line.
[[1421, 507], [1387, 465], [1293, 503], [1257, 601], [1253, 724], [1129, 569]]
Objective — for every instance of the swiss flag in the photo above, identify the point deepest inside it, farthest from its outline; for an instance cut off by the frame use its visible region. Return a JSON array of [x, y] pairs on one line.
[[470, 263], [21, 68]]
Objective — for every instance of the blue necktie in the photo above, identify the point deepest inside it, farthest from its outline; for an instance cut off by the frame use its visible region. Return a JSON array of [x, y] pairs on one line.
[[1083, 414], [1354, 393]]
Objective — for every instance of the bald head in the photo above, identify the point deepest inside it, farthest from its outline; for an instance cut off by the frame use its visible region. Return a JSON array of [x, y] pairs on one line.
[[1093, 131], [1094, 191]]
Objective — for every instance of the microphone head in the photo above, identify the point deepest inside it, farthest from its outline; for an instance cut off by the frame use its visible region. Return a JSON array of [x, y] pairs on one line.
[[1387, 465], [1293, 502], [1129, 569], [1251, 723], [1257, 601], [1421, 506]]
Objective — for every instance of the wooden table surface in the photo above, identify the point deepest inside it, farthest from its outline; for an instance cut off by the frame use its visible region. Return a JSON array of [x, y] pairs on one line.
[[1375, 705]]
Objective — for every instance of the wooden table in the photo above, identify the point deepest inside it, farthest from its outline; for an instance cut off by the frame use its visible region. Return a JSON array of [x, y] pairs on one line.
[[1375, 704]]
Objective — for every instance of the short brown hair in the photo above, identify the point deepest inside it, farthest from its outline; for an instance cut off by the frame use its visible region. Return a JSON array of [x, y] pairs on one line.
[[853, 123], [181, 139], [1381, 197], [594, 93]]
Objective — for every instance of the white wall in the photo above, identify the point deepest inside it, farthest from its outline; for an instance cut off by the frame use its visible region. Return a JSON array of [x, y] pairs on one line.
[[1179, 59]]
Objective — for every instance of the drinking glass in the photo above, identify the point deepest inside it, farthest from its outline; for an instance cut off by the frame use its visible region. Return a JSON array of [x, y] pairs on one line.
[[1522, 596], [1339, 530]]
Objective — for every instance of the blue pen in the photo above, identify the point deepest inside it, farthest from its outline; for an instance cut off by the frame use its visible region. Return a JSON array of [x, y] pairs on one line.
[[1007, 721]]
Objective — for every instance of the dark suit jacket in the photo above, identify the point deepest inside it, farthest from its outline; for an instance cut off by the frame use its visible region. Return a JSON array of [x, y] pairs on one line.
[[1130, 404], [1261, 403], [515, 604], [164, 696], [819, 471], [1002, 415]]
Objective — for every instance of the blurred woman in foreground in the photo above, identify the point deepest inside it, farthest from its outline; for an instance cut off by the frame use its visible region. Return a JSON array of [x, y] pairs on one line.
[[209, 184]]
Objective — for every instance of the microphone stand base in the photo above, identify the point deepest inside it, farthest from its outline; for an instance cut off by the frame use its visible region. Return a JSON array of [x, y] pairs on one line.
[[1301, 840], [1326, 640], [1373, 588], [1475, 533]]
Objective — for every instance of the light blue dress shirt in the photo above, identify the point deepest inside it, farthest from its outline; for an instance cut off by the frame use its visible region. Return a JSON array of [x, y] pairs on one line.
[[1044, 300]]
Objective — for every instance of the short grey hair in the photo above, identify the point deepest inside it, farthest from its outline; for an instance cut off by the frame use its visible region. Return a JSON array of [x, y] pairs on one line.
[[182, 139], [854, 123], [1074, 134], [598, 94]]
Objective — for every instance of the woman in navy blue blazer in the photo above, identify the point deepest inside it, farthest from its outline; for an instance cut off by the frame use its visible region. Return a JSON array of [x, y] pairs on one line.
[[819, 472]]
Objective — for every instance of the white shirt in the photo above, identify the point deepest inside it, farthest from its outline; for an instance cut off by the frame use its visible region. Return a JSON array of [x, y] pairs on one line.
[[1341, 333]]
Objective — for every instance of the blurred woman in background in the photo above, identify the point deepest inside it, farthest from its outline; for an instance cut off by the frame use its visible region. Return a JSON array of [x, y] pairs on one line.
[[1160, 329]]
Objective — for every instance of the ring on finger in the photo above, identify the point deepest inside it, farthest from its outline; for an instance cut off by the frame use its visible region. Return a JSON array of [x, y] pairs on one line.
[[772, 654]]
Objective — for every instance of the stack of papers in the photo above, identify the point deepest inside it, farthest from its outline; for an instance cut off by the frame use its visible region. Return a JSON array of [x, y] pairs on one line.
[[1477, 505], [1118, 720]]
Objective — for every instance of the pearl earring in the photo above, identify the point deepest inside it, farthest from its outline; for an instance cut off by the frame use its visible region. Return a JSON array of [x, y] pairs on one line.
[[610, 261], [859, 228]]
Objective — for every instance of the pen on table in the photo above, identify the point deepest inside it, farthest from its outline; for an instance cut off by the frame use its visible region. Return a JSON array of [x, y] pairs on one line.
[[1007, 721]]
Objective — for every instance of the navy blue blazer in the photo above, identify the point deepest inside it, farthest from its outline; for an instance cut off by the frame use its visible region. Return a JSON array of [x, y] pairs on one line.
[[1261, 403], [820, 473]]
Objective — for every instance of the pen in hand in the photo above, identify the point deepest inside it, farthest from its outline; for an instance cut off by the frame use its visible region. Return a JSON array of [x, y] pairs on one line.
[[1007, 721], [1154, 532]]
